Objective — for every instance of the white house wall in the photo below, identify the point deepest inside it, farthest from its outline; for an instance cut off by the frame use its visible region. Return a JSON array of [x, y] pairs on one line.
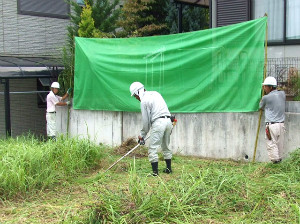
[[284, 51]]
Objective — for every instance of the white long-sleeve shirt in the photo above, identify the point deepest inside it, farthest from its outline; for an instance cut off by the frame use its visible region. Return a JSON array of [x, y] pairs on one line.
[[153, 106]]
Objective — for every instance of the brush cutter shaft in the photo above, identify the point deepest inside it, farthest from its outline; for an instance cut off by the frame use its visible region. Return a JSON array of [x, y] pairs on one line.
[[124, 155]]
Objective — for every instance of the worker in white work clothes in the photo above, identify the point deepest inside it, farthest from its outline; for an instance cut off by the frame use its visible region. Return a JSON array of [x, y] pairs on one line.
[[54, 100], [273, 104], [155, 115]]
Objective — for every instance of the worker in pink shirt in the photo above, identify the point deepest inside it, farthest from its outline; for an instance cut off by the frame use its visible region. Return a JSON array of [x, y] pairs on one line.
[[54, 100]]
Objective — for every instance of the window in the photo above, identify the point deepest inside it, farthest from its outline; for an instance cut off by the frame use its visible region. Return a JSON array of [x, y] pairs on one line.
[[43, 88], [231, 12], [283, 19], [80, 3], [47, 8], [293, 20]]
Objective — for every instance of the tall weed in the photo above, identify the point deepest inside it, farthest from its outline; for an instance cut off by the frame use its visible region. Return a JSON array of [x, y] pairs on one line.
[[27, 163]]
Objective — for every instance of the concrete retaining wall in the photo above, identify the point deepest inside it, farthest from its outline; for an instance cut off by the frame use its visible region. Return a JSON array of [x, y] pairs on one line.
[[213, 135]]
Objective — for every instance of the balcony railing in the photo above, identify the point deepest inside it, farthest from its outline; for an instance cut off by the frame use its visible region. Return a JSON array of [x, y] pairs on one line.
[[286, 71]]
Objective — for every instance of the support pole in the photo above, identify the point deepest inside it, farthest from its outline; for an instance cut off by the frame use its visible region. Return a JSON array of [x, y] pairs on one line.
[[7, 108], [265, 72], [179, 18]]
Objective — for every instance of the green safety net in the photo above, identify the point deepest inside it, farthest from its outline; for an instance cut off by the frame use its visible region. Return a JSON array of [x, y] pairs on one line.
[[214, 70]]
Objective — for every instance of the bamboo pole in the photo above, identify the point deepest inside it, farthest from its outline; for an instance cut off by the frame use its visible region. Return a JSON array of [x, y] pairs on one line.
[[70, 85], [265, 72]]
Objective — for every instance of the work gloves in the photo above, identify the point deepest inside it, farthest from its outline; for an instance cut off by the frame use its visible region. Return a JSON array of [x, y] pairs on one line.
[[141, 141], [69, 91]]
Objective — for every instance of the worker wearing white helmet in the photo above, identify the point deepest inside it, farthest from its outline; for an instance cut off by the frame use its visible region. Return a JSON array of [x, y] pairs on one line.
[[274, 105], [54, 100], [155, 114]]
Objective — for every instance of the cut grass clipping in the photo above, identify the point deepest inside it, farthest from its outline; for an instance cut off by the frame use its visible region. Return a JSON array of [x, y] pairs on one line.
[[127, 145]]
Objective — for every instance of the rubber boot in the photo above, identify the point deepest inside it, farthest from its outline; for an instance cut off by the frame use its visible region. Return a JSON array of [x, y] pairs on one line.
[[154, 168], [168, 169], [51, 138], [276, 161]]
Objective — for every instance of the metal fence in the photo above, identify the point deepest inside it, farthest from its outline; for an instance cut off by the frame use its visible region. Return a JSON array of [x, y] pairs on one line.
[[286, 71]]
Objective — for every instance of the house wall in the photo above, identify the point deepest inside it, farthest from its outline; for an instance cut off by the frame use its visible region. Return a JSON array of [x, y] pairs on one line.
[[281, 51], [30, 35], [213, 135], [26, 116], [27, 35]]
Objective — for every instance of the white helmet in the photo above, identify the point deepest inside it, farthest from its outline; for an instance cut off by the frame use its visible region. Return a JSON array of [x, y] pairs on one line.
[[134, 87], [55, 85], [270, 81]]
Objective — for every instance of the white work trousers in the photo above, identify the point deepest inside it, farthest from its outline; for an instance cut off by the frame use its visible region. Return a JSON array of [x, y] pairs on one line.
[[51, 124], [160, 136], [275, 145]]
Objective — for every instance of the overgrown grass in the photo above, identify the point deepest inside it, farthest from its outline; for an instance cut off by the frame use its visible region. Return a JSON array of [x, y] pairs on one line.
[[207, 192], [198, 191], [28, 164]]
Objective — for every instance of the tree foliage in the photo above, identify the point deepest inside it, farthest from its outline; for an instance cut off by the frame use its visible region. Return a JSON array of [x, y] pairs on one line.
[[87, 24], [143, 18], [193, 18], [105, 14], [97, 19], [150, 17], [66, 77]]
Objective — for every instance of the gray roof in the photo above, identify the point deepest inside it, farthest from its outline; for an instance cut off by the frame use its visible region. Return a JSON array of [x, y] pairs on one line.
[[12, 67]]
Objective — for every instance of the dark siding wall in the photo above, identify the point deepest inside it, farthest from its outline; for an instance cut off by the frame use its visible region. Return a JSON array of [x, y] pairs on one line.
[[232, 11], [30, 35], [2, 112], [25, 115]]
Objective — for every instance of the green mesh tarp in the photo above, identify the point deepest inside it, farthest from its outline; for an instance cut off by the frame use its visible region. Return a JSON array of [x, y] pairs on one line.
[[215, 70]]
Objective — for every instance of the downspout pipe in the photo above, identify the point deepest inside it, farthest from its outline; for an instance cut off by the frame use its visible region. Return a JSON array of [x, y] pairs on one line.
[[7, 107], [179, 17]]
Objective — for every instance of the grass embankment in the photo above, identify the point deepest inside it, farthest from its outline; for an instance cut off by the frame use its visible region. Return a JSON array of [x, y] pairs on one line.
[[199, 191]]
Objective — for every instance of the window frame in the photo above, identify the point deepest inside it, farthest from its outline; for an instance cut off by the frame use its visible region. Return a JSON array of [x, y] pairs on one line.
[[285, 40], [42, 14]]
